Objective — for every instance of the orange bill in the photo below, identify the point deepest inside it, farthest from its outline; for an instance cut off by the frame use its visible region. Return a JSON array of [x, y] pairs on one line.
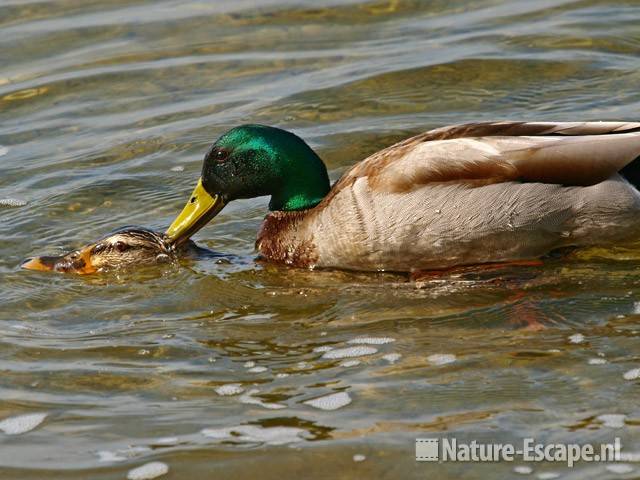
[[75, 262]]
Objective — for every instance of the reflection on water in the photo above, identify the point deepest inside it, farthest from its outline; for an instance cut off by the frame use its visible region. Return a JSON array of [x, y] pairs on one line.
[[240, 368]]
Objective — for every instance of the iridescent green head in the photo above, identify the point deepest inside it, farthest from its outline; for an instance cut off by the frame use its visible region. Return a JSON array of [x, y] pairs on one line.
[[253, 161], [256, 160]]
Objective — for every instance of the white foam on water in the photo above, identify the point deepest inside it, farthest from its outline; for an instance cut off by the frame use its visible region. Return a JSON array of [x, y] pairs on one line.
[[22, 423], [148, 471], [548, 475], [3, 150], [636, 307], [632, 374], [619, 468], [218, 433], [282, 375], [12, 202], [177, 168], [612, 420], [256, 434], [523, 470], [350, 363], [597, 361], [333, 401], [249, 364], [20, 327], [323, 348], [258, 369], [167, 441], [110, 457], [136, 450], [576, 338], [441, 358], [358, 457], [249, 399], [371, 340], [392, 357], [229, 389], [350, 352]]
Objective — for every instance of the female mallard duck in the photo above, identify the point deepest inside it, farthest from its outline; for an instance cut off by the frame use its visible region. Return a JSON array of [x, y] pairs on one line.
[[464, 194], [125, 247]]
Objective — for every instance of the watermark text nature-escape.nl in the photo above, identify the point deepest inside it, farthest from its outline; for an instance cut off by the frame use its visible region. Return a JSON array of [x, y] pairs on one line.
[[451, 450]]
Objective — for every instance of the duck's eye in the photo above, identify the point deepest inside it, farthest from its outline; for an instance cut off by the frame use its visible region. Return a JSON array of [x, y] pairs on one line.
[[99, 248], [120, 246], [220, 155]]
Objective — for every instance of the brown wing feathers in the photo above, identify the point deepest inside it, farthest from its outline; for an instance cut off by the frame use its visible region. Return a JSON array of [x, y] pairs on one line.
[[570, 153]]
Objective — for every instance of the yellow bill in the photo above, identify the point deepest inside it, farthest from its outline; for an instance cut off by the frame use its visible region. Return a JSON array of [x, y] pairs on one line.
[[200, 208]]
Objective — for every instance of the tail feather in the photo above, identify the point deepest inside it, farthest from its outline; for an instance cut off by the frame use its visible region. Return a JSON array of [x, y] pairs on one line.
[[632, 172]]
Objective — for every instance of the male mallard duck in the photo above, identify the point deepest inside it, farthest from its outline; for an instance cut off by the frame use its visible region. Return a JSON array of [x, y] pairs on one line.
[[125, 247], [463, 194]]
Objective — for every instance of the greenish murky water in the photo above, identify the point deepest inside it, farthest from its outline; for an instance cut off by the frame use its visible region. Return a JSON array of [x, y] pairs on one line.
[[215, 368]]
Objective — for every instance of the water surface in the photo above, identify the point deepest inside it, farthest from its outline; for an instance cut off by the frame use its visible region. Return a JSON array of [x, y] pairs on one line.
[[215, 368]]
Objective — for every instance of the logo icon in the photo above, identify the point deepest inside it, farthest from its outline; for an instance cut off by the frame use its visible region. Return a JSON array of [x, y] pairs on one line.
[[427, 449]]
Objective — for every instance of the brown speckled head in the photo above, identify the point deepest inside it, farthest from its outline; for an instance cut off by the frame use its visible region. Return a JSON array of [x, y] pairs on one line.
[[124, 248]]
